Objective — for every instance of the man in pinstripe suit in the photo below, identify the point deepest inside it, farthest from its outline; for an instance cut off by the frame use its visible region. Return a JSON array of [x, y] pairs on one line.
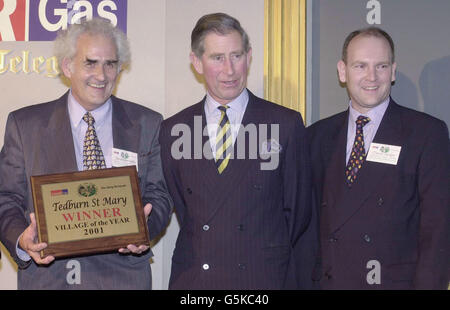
[[243, 197]]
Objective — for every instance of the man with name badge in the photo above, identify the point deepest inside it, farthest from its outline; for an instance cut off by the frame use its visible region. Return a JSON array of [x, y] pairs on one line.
[[381, 178], [239, 175], [61, 136]]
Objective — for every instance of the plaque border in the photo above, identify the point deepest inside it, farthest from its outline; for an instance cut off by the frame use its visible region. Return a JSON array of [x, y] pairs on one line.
[[97, 244]]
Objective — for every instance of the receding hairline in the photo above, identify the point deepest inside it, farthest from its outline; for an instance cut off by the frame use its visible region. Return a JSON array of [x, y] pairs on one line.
[[373, 32], [362, 36]]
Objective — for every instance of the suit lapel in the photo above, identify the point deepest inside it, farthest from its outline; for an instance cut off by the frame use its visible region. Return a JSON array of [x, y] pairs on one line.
[[372, 174], [236, 167], [230, 178], [199, 163], [58, 142], [334, 152], [125, 133]]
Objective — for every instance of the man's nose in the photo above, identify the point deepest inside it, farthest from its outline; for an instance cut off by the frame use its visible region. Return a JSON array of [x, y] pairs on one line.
[[100, 72], [372, 73], [228, 66]]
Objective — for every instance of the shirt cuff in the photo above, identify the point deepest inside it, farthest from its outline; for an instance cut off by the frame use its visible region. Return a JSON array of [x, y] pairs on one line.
[[21, 253]]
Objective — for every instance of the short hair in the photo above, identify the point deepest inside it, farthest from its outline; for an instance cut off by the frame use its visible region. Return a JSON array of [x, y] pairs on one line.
[[368, 32], [65, 44], [219, 23]]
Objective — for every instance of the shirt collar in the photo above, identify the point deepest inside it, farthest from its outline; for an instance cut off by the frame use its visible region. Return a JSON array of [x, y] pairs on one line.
[[375, 114], [237, 105], [76, 112]]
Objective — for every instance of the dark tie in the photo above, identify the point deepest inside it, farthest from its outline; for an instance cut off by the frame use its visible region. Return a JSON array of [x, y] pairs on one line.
[[92, 153], [358, 154], [223, 140]]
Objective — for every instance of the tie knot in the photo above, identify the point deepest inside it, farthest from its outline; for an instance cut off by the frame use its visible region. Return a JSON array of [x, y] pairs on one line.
[[361, 121], [223, 108], [88, 118]]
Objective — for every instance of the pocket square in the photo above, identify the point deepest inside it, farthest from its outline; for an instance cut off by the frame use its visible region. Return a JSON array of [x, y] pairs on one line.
[[270, 146]]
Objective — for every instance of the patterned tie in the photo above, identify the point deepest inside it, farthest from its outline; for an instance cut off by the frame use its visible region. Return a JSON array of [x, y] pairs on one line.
[[92, 152], [223, 140], [358, 153]]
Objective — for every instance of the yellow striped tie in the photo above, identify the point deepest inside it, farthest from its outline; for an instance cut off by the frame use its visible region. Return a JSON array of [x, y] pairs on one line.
[[223, 140]]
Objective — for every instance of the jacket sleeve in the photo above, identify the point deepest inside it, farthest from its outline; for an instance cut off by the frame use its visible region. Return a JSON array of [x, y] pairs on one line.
[[13, 189], [302, 218], [155, 191], [434, 196], [170, 173]]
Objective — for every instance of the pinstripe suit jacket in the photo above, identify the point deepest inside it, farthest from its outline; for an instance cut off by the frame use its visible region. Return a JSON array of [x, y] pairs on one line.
[[242, 229], [38, 140]]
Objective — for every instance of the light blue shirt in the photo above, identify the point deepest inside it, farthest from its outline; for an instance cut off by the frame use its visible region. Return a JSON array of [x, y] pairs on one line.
[[235, 113], [369, 130], [103, 128]]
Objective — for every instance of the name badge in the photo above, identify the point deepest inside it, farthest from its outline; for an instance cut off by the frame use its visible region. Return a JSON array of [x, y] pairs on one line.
[[122, 158], [384, 153]]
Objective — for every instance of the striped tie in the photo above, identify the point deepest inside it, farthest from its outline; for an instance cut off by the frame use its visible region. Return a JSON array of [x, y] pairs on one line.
[[223, 140], [92, 152], [358, 154]]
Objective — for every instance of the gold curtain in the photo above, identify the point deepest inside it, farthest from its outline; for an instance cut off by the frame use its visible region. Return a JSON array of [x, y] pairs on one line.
[[285, 53]]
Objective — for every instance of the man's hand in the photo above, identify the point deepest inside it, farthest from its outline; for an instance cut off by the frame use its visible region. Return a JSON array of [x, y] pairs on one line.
[[28, 242], [131, 248]]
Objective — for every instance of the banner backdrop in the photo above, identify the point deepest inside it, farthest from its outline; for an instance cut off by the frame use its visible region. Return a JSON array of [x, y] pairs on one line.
[[40, 20]]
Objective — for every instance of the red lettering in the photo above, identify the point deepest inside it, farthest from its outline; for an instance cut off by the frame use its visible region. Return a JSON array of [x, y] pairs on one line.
[[68, 216], [116, 212], [85, 214], [97, 213], [106, 213]]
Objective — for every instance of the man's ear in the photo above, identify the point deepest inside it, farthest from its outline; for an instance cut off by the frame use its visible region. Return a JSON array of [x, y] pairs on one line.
[[249, 57], [394, 71], [342, 69], [196, 62], [67, 67]]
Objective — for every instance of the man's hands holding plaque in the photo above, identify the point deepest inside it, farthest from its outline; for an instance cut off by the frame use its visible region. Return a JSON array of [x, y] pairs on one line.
[[131, 248], [28, 241]]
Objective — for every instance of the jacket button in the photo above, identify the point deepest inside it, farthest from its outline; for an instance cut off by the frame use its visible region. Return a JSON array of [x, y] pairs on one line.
[[257, 187], [242, 266], [205, 267], [323, 204], [332, 238], [205, 227], [380, 202], [367, 238], [240, 227], [328, 275], [189, 190]]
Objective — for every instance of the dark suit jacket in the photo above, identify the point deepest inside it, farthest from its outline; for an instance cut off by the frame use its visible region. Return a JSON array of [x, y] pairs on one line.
[[38, 140], [397, 215], [242, 229]]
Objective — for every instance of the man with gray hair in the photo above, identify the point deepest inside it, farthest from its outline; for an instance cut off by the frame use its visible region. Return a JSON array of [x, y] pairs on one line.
[[244, 202], [51, 138]]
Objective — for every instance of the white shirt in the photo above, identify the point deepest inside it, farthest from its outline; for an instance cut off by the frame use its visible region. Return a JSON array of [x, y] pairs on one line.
[[235, 113], [369, 130]]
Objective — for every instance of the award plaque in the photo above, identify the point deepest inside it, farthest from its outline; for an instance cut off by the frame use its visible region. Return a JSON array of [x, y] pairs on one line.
[[89, 212]]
